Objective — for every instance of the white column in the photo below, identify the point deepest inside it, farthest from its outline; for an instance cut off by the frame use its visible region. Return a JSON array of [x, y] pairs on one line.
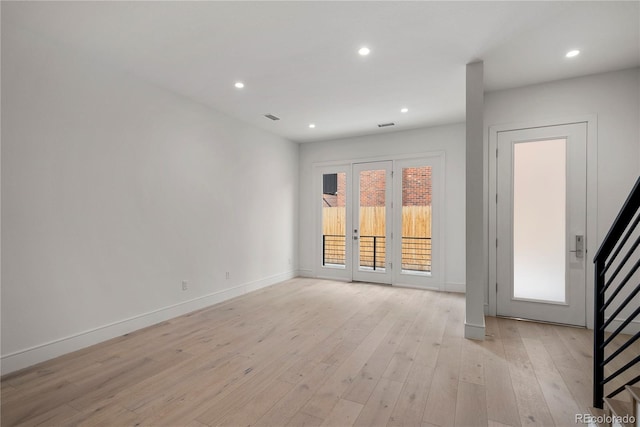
[[476, 234]]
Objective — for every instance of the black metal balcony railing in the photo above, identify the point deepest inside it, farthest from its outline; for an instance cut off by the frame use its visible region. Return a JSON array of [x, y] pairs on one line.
[[616, 255], [416, 252], [333, 249], [373, 251]]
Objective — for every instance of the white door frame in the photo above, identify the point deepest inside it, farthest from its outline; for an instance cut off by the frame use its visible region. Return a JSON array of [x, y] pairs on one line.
[[572, 141], [592, 202]]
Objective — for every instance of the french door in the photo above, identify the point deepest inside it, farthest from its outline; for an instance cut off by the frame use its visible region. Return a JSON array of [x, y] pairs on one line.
[[372, 222], [377, 222], [541, 223]]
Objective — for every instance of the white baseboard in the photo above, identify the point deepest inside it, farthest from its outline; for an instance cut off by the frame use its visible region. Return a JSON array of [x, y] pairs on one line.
[[631, 329], [305, 273], [422, 288], [448, 287], [473, 331], [455, 287], [40, 353]]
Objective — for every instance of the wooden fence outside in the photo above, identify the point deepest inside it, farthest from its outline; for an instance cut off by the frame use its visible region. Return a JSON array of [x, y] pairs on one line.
[[416, 221]]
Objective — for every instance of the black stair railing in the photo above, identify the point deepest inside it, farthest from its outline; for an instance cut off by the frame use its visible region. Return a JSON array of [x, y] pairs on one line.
[[617, 254]]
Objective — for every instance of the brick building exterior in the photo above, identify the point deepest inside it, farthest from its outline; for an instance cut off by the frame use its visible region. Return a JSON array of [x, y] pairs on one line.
[[416, 188], [372, 188]]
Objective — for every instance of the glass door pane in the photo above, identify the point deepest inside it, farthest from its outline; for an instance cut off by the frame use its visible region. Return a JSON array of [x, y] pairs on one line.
[[416, 220], [539, 220], [373, 224], [334, 216]]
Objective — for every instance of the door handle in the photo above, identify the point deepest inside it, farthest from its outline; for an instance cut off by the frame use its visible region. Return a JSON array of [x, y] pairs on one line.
[[579, 246], [355, 237]]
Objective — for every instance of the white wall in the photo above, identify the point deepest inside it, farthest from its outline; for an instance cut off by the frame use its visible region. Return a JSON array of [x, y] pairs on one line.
[[613, 99], [448, 139], [114, 191]]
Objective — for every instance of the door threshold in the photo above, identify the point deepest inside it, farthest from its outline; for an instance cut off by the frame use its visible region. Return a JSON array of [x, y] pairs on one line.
[[363, 282], [521, 319]]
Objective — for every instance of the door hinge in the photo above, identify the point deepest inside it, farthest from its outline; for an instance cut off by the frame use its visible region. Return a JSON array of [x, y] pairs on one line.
[[390, 266], [496, 153], [392, 235], [496, 243], [496, 198], [391, 174]]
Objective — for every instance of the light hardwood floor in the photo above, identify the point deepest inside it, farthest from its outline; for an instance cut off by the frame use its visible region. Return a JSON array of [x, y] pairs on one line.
[[309, 353]]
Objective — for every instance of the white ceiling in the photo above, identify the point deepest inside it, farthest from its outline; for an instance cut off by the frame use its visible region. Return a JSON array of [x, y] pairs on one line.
[[299, 60]]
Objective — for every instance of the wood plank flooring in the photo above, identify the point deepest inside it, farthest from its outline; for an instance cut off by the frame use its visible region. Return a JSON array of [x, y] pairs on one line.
[[312, 352]]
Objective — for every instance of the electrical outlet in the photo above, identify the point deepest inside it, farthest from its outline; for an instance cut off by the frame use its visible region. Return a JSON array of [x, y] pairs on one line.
[[227, 275], [185, 285]]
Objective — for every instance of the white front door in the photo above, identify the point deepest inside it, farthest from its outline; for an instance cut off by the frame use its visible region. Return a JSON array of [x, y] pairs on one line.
[[372, 222], [541, 223]]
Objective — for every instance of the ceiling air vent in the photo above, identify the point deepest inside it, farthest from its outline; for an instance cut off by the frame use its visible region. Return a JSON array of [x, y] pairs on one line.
[[384, 125], [271, 117]]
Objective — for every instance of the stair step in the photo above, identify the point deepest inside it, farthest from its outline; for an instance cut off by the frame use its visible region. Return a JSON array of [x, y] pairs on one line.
[[634, 391], [599, 414], [635, 395], [621, 409]]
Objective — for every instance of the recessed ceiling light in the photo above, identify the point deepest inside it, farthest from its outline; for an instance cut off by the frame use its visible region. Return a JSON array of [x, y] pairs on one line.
[[404, 110], [312, 125], [572, 53], [364, 51], [239, 85]]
